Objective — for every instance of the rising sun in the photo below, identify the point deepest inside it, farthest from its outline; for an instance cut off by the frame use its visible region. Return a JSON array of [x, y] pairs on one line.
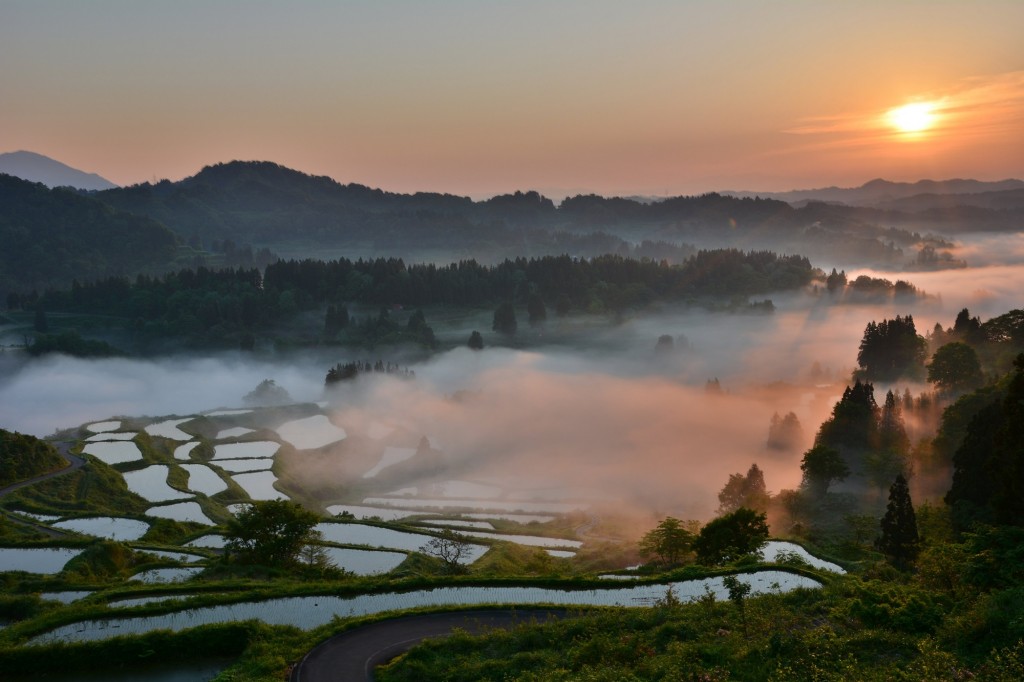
[[912, 118]]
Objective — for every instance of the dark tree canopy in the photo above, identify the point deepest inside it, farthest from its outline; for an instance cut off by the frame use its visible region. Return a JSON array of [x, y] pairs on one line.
[[899, 540], [988, 466], [505, 319], [785, 433], [955, 368], [270, 533], [450, 547], [744, 491], [476, 341], [536, 312], [669, 541], [854, 420], [729, 537], [891, 349], [267, 393], [822, 466]]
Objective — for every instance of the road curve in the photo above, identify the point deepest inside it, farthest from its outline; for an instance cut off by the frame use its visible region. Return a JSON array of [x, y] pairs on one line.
[[74, 462], [352, 656]]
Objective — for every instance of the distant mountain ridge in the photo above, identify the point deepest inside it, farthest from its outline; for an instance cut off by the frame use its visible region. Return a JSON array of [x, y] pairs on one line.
[[885, 193], [52, 173], [48, 237]]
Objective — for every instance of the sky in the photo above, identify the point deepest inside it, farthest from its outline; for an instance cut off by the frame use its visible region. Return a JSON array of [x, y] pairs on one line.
[[478, 98]]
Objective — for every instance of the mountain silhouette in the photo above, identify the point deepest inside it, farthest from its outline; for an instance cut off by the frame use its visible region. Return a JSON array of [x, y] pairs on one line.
[[50, 172]]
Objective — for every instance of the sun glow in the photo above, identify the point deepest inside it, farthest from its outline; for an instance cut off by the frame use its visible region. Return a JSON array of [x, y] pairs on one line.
[[912, 118]]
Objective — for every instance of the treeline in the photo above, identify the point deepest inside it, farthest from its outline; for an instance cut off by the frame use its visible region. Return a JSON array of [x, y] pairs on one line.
[[232, 304], [615, 281]]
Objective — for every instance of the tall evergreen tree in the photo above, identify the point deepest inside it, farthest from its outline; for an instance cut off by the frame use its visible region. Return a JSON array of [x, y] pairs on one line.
[[899, 540], [505, 319], [891, 349]]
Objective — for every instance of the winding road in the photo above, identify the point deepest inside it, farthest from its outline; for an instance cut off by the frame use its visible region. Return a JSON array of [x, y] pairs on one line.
[[74, 462], [352, 656]]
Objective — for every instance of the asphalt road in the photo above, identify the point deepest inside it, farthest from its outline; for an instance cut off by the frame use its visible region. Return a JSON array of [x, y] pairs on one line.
[[351, 656], [74, 462]]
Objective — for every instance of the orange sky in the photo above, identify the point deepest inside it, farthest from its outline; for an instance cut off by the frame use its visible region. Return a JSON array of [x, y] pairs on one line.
[[479, 98]]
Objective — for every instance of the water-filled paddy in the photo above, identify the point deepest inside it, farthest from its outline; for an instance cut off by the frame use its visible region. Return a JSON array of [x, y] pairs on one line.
[[167, 575], [118, 435], [311, 433], [203, 479], [212, 541], [456, 523], [561, 553], [528, 540], [65, 596], [311, 612], [493, 505], [181, 511], [238, 466], [151, 484], [233, 432], [45, 518], [43, 560], [182, 451], [259, 485], [183, 557], [114, 452], [109, 527], [100, 427], [169, 429], [364, 562], [772, 549], [258, 449], [360, 512], [372, 536]]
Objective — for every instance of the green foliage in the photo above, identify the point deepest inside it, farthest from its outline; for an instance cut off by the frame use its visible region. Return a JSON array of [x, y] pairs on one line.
[[94, 488], [103, 561], [505, 319], [670, 541], [744, 491], [730, 537], [52, 235], [476, 341], [988, 467], [821, 466], [23, 457], [955, 368], [854, 420], [891, 349], [132, 653], [71, 343], [899, 540], [270, 533]]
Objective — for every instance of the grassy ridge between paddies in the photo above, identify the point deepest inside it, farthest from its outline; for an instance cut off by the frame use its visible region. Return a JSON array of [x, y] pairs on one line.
[[274, 648]]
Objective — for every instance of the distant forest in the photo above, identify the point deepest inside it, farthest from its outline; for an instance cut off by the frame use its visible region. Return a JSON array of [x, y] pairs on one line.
[[237, 214], [215, 305]]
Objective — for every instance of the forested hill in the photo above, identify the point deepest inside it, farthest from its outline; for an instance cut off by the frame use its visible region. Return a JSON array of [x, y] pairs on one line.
[[51, 236], [269, 205]]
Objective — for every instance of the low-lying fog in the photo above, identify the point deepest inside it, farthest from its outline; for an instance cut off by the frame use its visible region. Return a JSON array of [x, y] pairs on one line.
[[611, 419]]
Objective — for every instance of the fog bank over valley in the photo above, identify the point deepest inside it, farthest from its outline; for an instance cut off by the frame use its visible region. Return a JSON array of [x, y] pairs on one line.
[[614, 424]]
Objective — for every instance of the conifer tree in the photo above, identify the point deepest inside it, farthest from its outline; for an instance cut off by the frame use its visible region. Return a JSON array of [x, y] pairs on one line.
[[899, 540]]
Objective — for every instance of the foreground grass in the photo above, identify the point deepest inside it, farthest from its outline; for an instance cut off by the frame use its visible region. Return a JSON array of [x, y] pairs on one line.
[[850, 630]]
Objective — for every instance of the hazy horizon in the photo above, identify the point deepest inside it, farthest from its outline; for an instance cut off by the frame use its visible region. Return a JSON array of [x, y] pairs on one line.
[[659, 99]]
